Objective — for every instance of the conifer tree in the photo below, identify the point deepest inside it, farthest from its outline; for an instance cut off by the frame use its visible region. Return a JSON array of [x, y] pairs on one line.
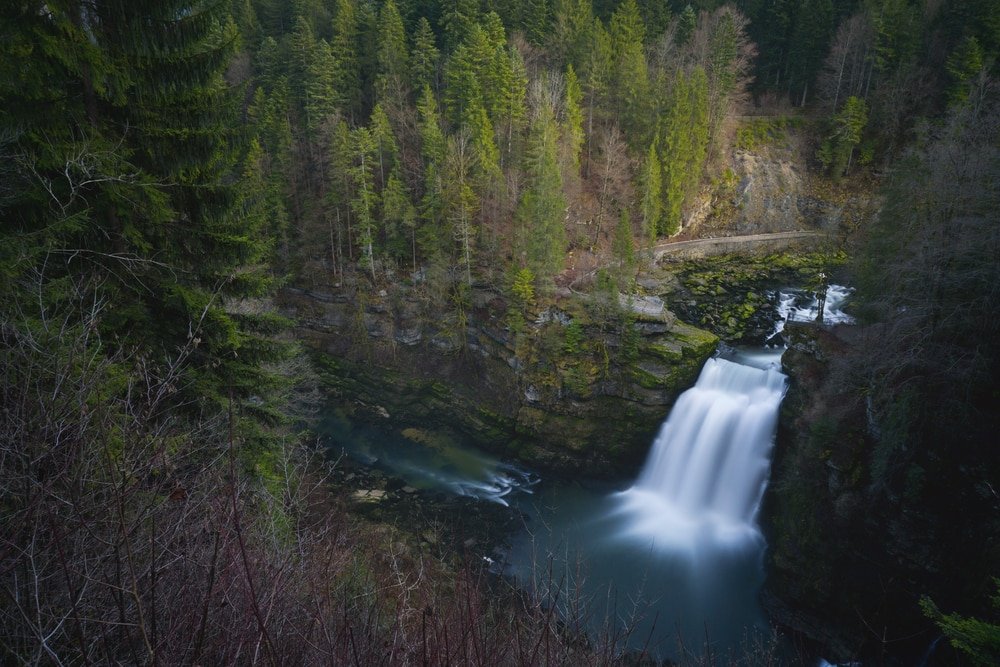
[[433, 149], [301, 52], [344, 47], [536, 20], [386, 147], [460, 200], [686, 22], [399, 218], [270, 64], [685, 132], [846, 128], [541, 242], [677, 146], [512, 109], [700, 125], [392, 81], [340, 190], [462, 89], [368, 67], [320, 98], [492, 65], [458, 19], [483, 147], [424, 56], [432, 142], [596, 72], [808, 45], [623, 249], [964, 64], [365, 199], [572, 22], [630, 75], [574, 115], [651, 188], [126, 181]]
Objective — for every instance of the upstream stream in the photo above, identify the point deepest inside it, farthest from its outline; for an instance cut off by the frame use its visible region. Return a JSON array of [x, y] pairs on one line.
[[670, 563]]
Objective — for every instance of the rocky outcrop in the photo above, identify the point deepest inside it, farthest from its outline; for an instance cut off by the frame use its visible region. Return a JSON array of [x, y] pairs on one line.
[[851, 551], [580, 383], [769, 188]]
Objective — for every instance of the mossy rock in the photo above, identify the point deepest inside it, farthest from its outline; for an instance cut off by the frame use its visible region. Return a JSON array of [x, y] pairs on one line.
[[695, 343], [666, 350]]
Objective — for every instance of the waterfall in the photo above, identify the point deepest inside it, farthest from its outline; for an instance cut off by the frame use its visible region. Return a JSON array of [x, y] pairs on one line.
[[706, 472], [681, 545], [799, 306]]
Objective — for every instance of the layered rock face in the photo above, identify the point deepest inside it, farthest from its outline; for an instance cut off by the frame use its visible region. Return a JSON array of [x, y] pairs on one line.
[[580, 384]]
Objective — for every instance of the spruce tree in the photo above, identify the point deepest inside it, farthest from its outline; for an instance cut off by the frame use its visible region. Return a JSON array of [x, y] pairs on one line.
[[596, 72], [365, 200], [386, 147], [462, 89], [433, 147], [458, 19], [301, 53], [399, 218], [512, 110], [846, 128], [574, 116], [572, 20], [460, 200], [685, 132], [320, 99], [623, 249], [344, 47], [963, 66], [424, 56], [541, 242], [651, 188], [687, 20], [630, 75], [340, 189], [392, 82], [125, 181]]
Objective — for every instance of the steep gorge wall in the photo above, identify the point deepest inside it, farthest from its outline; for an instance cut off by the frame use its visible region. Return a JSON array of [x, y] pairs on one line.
[[854, 546], [583, 386]]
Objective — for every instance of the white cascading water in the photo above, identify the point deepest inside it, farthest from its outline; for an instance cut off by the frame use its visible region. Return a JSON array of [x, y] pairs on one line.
[[706, 473], [793, 306]]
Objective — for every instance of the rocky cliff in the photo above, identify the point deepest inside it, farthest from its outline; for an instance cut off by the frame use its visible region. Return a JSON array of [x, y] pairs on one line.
[[770, 186], [854, 545], [579, 383]]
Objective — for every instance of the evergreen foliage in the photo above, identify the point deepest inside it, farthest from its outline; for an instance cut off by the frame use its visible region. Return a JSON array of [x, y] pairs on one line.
[[685, 132], [979, 640], [964, 66], [652, 189], [624, 249], [424, 56], [846, 129], [541, 238], [364, 202], [393, 57], [126, 181], [574, 116], [629, 75], [345, 48]]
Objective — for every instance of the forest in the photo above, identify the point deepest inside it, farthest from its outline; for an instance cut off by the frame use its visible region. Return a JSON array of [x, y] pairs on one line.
[[169, 169]]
